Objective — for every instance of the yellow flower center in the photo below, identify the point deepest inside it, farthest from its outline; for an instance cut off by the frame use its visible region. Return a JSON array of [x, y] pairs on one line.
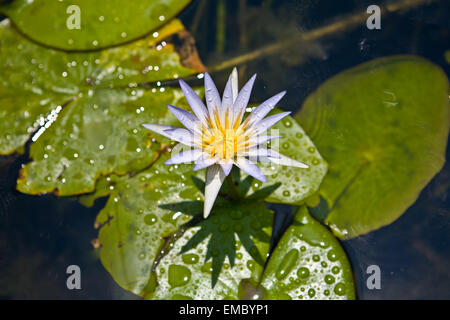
[[224, 143]]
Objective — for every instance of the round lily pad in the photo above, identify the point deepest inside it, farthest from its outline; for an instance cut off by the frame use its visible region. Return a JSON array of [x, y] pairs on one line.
[[89, 25], [383, 128], [83, 110]]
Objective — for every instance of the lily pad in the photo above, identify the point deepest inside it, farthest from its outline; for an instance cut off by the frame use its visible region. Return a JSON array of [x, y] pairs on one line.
[[134, 224], [295, 184], [308, 263], [84, 110], [153, 216], [383, 127], [82, 25], [95, 136], [22, 114], [216, 258]]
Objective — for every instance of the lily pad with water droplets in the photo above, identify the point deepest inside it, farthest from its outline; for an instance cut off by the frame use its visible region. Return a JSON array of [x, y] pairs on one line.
[[95, 136], [84, 110], [382, 127], [152, 216], [155, 243], [134, 222], [42, 79], [219, 257], [23, 114], [295, 184], [308, 263], [87, 25]]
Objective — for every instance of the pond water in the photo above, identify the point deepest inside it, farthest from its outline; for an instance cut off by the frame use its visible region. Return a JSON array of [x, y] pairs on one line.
[[41, 235]]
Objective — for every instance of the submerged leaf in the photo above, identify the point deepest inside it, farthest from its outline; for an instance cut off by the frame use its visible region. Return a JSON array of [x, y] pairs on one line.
[[80, 25], [382, 127]]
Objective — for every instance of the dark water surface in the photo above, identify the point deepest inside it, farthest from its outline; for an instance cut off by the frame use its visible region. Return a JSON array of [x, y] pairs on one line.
[[41, 235]]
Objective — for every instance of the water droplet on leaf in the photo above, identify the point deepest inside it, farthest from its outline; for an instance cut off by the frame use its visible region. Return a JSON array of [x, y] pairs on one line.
[[178, 275]]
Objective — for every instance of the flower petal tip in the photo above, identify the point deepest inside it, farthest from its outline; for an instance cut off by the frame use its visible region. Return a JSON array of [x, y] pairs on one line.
[[226, 168], [206, 213], [298, 164], [281, 94]]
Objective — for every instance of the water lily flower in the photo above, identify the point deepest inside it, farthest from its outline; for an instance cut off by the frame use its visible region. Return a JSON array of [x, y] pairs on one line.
[[219, 137]]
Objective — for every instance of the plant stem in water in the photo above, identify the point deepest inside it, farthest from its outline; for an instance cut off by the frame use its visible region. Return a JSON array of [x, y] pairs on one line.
[[221, 26], [341, 25]]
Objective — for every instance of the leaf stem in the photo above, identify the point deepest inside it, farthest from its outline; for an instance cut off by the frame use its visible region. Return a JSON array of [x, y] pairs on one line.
[[198, 16], [221, 26]]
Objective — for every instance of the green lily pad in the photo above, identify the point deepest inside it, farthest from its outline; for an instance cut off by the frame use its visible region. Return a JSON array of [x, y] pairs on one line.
[[308, 263], [295, 184], [85, 110], [22, 114], [382, 127], [150, 217], [83, 25], [134, 224], [43, 78], [216, 258], [95, 136]]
